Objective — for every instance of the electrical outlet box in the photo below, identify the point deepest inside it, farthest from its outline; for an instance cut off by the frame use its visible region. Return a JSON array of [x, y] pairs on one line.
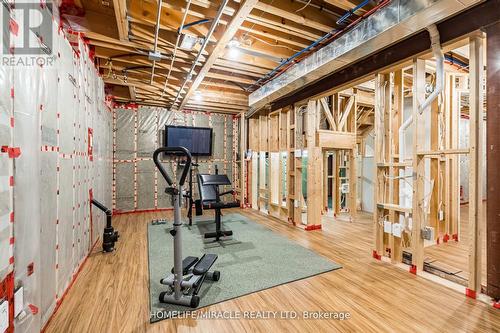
[[344, 188], [296, 203], [156, 56], [397, 230], [387, 227], [4, 315], [441, 215], [18, 301], [298, 153], [428, 233]]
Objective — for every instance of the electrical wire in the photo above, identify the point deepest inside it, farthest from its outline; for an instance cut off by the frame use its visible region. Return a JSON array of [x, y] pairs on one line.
[[303, 7], [179, 33]]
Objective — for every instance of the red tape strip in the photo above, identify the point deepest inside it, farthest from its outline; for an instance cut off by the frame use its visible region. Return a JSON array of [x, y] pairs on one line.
[[470, 293], [13, 27]]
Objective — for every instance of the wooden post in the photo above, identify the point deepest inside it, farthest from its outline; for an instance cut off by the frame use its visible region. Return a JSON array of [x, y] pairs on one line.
[[418, 164], [297, 204], [352, 182], [397, 115], [325, 183], [453, 164], [434, 202], [493, 158], [314, 168], [379, 189], [243, 165], [476, 76]]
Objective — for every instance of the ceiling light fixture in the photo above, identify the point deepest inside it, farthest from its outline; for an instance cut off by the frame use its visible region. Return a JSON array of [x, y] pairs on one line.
[[188, 42], [233, 47], [198, 96]]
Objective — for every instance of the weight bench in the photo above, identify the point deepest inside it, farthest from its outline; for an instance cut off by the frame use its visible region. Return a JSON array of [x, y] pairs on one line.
[[210, 198]]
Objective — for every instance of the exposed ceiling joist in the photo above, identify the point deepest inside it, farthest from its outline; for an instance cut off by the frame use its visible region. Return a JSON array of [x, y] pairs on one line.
[[120, 7], [218, 50]]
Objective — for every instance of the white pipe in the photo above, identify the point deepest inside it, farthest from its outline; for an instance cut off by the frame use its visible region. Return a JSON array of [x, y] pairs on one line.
[[438, 54], [215, 22], [179, 33]]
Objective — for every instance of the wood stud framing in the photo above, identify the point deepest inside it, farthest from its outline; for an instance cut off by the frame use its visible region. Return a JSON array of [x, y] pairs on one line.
[[293, 135], [432, 162]]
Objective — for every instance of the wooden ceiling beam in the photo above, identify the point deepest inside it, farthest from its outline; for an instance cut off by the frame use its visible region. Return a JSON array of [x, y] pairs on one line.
[[224, 86], [217, 92], [213, 109], [218, 105], [242, 66], [273, 35], [218, 50], [236, 71], [264, 50], [345, 5], [250, 60], [195, 10], [120, 7], [309, 17], [169, 19], [286, 28], [230, 78]]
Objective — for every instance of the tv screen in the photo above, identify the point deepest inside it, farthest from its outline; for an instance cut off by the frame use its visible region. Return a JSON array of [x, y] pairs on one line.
[[197, 139]]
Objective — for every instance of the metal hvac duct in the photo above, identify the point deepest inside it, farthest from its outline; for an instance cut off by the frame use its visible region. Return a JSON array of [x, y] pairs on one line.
[[394, 22]]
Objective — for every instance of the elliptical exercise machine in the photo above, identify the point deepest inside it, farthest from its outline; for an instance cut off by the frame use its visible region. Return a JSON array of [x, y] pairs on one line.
[[188, 274]]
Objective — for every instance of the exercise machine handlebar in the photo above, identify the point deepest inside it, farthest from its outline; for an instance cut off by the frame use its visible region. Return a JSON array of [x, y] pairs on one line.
[[173, 150]]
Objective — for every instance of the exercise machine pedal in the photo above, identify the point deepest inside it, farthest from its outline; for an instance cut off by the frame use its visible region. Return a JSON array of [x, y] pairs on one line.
[[187, 263], [204, 264]]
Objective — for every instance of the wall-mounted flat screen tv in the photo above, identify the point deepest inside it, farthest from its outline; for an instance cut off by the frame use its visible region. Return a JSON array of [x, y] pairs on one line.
[[197, 139]]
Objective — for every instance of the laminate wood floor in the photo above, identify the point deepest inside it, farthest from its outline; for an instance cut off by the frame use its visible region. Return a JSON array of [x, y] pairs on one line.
[[111, 292], [454, 256]]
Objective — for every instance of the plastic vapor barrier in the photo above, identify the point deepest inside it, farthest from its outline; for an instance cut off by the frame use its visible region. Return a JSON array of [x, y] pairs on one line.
[[56, 139], [138, 131]]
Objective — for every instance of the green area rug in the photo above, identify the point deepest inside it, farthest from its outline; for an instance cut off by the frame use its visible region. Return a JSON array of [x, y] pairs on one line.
[[255, 258]]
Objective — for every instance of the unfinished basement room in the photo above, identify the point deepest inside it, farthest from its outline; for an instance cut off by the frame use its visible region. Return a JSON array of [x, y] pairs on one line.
[[249, 166]]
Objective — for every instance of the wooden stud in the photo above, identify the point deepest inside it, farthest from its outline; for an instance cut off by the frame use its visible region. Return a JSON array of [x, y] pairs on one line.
[[476, 102], [418, 164]]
